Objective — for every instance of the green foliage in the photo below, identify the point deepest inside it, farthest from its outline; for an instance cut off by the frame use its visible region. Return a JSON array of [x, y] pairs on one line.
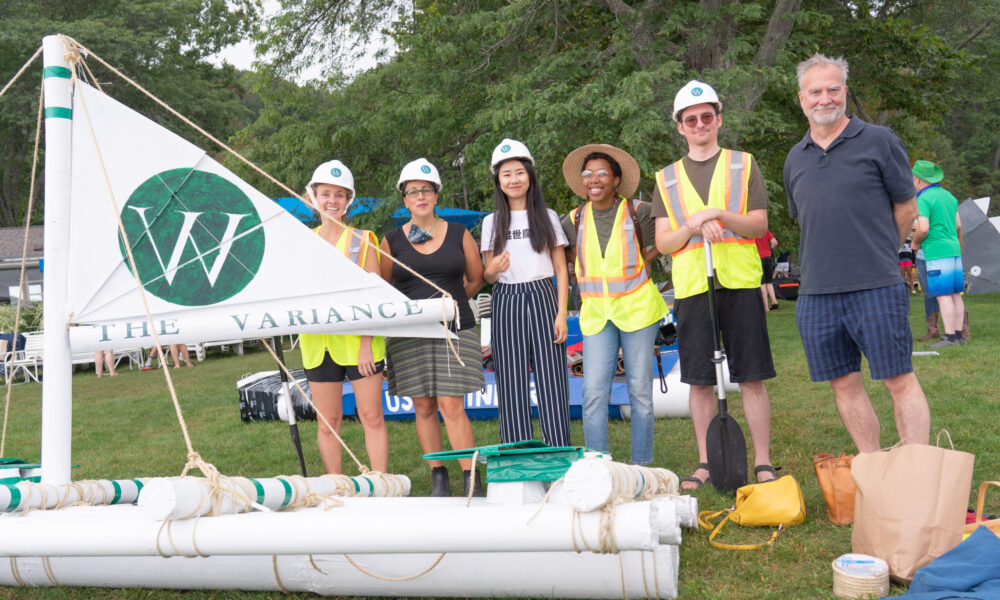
[[161, 44], [31, 318], [556, 76]]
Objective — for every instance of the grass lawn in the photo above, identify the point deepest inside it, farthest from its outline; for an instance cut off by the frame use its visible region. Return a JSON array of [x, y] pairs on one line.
[[126, 427]]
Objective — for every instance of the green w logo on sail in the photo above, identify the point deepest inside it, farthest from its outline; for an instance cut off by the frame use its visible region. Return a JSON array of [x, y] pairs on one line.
[[196, 237]]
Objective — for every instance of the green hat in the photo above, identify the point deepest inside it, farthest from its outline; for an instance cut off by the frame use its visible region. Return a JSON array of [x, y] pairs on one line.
[[928, 171]]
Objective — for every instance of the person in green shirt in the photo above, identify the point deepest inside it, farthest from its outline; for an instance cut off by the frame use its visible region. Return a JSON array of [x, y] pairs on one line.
[[939, 235]]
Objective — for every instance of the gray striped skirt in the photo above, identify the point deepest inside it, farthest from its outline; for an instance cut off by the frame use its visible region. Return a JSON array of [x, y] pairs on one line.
[[426, 367]]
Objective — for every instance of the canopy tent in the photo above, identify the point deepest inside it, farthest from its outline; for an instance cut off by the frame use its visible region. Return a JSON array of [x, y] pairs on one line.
[[981, 246]]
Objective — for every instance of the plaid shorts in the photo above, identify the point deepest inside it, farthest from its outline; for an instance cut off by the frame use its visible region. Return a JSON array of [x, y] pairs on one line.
[[837, 329]]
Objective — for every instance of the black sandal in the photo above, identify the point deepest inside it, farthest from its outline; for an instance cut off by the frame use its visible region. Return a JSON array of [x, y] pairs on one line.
[[692, 479], [765, 469]]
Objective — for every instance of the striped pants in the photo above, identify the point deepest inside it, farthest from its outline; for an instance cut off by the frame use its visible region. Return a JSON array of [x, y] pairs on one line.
[[523, 314]]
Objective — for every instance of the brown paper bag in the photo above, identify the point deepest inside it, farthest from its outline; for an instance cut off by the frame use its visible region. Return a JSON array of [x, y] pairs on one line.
[[910, 506], [834, 476]]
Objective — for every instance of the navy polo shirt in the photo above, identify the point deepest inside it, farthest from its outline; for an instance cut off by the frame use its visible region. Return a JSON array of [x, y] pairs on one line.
[[842, 197]]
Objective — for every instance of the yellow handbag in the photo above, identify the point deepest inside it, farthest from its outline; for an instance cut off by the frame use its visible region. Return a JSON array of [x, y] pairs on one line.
[[776, 503]]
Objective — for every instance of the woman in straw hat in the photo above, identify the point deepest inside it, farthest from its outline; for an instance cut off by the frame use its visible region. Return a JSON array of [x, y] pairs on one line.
[[621, 307], [523, 248]]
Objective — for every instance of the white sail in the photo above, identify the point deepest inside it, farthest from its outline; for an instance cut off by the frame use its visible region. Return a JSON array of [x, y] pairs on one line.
[[218, 259]]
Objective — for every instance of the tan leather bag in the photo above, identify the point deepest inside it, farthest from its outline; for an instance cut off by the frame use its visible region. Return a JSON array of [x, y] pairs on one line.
[[834, 476]]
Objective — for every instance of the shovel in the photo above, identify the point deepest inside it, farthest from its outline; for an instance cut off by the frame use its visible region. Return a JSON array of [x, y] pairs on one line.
[[727, 448]]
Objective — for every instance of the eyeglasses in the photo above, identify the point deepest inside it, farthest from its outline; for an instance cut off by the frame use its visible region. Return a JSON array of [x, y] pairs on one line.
[[411, 194], [601, 173], [706, 119]]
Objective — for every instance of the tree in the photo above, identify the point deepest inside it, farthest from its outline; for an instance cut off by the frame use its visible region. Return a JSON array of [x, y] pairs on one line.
[[558, 74], [161, 44]]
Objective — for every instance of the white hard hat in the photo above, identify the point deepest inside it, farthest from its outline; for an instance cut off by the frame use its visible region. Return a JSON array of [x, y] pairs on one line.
[[333, 172], [419, 170], [695, 92], [508, 149]]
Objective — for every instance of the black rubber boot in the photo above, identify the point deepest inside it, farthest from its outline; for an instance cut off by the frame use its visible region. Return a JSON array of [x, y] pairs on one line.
[[477, 490], [439, 482]]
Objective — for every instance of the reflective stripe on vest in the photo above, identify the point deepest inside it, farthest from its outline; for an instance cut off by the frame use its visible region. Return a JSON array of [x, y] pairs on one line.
[[737, 265], [677, 207], [356, 237], [591, 280]]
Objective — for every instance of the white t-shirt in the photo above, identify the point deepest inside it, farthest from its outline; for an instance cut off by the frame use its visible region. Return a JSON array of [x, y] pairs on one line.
[[525, 264]]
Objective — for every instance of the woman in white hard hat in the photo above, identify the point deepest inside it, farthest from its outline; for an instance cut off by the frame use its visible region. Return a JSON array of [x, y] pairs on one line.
[[424, 368], [330, 359], [523, 247]]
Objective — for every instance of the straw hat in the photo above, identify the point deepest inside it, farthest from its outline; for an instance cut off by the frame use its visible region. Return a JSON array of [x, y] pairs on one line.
[[928, 171], [573, 166]]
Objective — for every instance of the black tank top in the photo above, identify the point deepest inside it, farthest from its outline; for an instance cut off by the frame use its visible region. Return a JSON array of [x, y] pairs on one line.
[[445, 267]]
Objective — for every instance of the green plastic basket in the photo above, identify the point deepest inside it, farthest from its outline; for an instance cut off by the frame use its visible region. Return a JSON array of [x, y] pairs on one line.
[[529, 460]]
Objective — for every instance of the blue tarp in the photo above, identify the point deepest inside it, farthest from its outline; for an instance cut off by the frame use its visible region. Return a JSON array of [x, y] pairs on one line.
[[298, 209], [969, 570], [471, 219]]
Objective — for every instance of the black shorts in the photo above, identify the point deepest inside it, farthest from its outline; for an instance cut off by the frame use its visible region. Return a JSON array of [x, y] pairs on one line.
[[767, 263], [744, 337], [329, 371]]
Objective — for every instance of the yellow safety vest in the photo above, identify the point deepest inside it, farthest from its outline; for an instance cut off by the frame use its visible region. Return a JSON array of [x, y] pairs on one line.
[[614, 286], [735, 259], [343, 349]]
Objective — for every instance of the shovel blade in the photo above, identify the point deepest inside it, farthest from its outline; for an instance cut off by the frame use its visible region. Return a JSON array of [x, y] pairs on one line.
[[727, 454]]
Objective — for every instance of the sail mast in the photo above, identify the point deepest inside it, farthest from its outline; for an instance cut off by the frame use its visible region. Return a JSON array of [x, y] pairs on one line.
[[57, 391]]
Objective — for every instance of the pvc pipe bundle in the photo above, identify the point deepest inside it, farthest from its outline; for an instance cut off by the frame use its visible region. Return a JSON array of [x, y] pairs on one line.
[[29, 495], [489, 574], [184, 497], [592, 482], [395, 544]]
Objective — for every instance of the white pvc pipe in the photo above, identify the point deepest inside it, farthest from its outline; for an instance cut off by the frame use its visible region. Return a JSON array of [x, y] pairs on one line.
[[128, 531], [674, 403], [57, 393], [686, 508], [491, 574], [43, 495], [185, 497]]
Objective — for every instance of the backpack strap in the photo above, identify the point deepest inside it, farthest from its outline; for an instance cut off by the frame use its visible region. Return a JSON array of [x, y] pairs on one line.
[[638, 235]]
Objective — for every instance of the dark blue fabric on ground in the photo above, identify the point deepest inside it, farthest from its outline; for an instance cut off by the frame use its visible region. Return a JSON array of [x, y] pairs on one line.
[[969, 570]]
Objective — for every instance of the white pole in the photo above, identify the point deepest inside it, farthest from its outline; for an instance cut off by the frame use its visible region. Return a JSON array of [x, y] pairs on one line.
[[57, 392]]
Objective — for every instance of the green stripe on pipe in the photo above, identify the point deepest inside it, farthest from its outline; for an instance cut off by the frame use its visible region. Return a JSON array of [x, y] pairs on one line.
[[56, 72], [118, 492], [58, 112], [15, 498], [138, 487], [357, 488], [288, 494], [260, 491]]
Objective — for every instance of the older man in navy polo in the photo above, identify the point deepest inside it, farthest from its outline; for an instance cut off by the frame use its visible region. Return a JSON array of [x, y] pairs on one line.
[[850, 188]]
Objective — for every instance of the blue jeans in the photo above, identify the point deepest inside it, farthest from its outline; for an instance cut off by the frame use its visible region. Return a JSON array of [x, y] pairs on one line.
[[930, 304], [600, 358]]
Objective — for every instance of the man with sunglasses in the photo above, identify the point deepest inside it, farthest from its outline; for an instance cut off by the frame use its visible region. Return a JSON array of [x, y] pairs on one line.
[[716, 196]]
